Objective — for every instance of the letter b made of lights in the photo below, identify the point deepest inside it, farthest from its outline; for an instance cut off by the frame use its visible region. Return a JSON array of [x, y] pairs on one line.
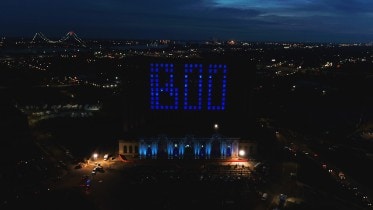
[[193, 87]]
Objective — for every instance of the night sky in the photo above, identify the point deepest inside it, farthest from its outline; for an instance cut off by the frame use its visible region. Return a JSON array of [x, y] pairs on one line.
[[245, 20]]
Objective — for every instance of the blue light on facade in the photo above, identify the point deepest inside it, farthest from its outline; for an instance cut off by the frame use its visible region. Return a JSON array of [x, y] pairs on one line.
[[169, 149], [197, 148], [181, 149], [223, 148], [154, 149], [208, 149], [142, 149]]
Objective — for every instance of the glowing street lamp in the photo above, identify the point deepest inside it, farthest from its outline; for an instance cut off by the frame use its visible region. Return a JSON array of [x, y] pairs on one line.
[[216, 126], [95, 155], [241, 153]]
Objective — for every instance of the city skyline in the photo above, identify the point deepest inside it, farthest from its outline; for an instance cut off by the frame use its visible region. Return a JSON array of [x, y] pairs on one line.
[[274, 20]]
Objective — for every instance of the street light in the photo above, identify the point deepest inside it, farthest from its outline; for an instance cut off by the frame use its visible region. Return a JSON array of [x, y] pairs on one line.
[[95, 155], [241, 153]]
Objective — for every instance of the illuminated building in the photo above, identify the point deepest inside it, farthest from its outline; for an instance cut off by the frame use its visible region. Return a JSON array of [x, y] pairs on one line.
[[187, 147], [173, 105]]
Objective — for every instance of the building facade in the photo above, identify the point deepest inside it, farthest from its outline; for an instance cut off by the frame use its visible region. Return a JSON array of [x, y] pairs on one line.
[[188, 147]]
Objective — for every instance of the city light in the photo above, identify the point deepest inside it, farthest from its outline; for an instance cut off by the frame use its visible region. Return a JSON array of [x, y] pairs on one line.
[[95, 156], [241, 153]]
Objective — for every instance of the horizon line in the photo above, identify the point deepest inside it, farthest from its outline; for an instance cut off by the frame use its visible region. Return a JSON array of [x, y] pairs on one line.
[[196, 40]]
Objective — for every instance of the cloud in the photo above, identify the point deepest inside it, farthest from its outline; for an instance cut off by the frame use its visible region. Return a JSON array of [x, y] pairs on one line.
[[188, 18]]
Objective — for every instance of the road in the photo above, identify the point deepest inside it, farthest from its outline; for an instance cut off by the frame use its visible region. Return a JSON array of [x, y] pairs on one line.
[[358, 195]]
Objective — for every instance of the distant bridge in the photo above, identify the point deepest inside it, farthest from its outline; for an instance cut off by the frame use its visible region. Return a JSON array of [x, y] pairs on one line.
[[69, 35]]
